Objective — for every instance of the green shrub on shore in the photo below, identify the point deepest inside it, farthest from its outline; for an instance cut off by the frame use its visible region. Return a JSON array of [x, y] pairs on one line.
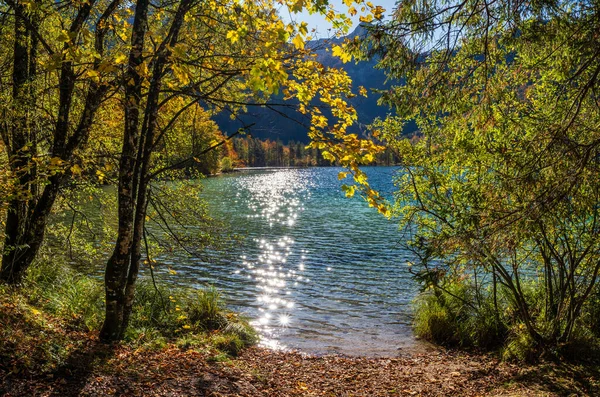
[[164, 313], [65, 293], [58, 310], [456, 315], [450, 318], [226, 164]]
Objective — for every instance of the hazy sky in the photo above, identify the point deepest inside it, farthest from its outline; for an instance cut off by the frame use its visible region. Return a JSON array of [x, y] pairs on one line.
[[318, 21]]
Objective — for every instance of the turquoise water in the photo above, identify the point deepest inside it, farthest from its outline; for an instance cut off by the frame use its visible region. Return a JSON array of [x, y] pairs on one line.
[[316, 271]]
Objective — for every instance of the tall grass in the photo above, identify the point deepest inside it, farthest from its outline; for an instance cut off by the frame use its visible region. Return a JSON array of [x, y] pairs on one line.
[[450, 318], [460, 316]]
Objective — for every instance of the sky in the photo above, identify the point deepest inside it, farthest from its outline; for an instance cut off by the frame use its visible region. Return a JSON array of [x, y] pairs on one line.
[[319, 23]]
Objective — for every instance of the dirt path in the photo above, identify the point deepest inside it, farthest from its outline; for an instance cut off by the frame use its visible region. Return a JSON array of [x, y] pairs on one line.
[[258, 372]]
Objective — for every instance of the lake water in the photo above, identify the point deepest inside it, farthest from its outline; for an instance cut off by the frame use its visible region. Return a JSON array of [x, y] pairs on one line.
[[316, 271]]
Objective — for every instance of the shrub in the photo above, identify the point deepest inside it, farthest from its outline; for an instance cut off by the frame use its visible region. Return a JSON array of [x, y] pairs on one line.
[[456, 317], [205, 309], [226, 164], [64, 292]]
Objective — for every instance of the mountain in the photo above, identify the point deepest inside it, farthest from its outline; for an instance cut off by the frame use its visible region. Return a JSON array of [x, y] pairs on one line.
[[282, 125]]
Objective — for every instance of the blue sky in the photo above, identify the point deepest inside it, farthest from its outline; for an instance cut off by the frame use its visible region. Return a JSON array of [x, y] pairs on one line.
[[321, 25]]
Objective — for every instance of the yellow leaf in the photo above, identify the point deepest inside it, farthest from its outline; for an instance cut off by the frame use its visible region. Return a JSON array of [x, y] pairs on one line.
[[368, 158], [76, 169], [64, 36], [378, 12], [360, 177], [93, 74], [342, 175], [302, 386], [56, 162], [303, 28], [328, 156], [142, 69], [298, 42], [298, 6], [383, 209], [349, 190], [100, 175], [339, 52], [121, 58], [233, 36]]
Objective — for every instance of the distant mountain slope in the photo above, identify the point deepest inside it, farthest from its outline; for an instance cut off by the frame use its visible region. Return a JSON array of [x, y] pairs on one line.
[[270, 124]]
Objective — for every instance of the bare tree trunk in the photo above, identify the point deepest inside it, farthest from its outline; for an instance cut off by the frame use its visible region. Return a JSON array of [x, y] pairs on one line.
[[118, 264], [16, 246]]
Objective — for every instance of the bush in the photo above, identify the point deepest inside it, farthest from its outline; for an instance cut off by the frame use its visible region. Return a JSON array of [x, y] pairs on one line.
[[176, 313], [454, 318], [66, 293], [455, 315], [206, 310], [433, 322], [520, 347], [226, 164]]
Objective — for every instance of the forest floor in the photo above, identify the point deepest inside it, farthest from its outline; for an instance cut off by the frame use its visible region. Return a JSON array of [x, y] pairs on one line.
[[95, 369]]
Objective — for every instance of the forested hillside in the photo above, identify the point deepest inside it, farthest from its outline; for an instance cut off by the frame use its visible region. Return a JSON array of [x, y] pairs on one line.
[[284, 123]]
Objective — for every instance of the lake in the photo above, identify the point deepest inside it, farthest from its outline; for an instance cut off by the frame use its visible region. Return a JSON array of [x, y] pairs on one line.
[[316, 271]]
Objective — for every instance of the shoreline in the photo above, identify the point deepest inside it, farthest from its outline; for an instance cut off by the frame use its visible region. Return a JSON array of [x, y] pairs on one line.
[[381, 349]]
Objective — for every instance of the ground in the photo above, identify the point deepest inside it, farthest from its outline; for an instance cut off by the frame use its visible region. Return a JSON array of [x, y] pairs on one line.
[[46, 355], [96, 369]]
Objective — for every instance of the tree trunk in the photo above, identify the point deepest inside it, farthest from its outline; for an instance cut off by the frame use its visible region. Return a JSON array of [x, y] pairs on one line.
[[123, 267], [14, 261], [118, 264], [27, 216]]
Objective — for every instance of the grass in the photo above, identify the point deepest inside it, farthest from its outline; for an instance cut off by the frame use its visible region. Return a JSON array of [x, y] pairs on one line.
[[58, 310], [448, 319], [456, 317]]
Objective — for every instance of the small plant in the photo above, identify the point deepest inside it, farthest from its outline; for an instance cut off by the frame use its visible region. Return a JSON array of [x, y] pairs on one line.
[[455, 316], [205, 309], [520, 347], [433, 322], [64, 292]]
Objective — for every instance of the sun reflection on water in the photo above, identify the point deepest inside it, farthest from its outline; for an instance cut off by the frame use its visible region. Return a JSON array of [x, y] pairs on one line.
[[275, 201]]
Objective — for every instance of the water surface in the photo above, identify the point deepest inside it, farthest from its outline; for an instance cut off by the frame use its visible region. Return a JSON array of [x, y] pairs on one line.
[[316, 271]]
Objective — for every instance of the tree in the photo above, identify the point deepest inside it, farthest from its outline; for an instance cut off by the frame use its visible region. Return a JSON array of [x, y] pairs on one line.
[[500, 188], [56, 89]]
